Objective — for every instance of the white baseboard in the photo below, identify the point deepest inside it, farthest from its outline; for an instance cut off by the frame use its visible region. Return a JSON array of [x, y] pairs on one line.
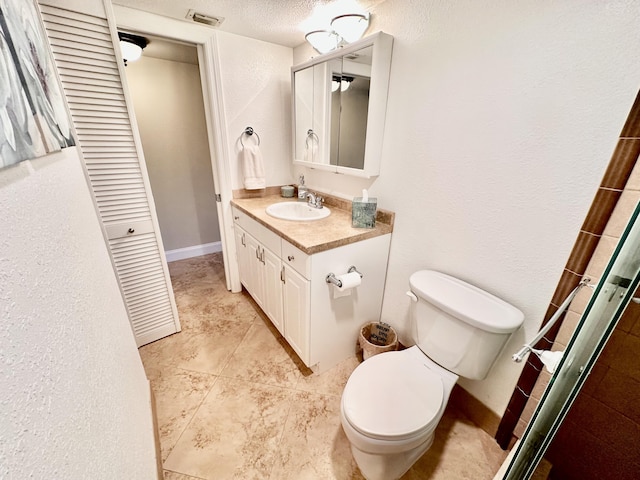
[[194, 251]]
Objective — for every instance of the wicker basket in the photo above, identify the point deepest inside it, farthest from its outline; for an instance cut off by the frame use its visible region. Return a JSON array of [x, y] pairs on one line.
[[377, 338]]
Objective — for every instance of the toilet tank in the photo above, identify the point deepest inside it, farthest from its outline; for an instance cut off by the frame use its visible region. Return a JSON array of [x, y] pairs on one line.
[[459, 326]]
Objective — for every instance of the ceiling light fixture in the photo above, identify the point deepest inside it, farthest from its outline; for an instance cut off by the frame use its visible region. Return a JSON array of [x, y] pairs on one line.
[[131, 46], [351, 26], [323, 40], [346, 28]]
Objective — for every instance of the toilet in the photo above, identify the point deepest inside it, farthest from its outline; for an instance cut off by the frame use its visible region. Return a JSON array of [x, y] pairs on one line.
[[392, 402]]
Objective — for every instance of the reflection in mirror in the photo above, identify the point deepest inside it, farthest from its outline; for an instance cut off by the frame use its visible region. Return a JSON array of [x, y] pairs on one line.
[[354, 107], [303, 104]]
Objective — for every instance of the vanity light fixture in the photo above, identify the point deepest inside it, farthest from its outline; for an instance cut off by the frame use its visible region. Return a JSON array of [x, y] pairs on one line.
[[323, 40], [351, 26], [345, 83], [341, 83], [345, 28], [131, 46]]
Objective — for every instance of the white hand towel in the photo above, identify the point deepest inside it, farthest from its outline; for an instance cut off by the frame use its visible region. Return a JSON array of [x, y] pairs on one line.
[[311, 152], [253, 168]]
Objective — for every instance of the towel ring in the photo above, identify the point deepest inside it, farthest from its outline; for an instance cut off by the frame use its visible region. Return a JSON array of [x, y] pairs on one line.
[[311, 135], [249, 131]]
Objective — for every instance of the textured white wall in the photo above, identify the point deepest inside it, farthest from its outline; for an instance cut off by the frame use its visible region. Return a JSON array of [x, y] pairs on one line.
[[169, 108], [501, 119], [74, 397], [256, 84]]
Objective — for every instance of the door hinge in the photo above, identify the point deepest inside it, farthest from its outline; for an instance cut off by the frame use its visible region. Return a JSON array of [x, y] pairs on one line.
[[218, 197]]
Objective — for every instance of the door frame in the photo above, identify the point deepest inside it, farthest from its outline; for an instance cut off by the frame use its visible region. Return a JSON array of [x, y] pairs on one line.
[[206, 42]]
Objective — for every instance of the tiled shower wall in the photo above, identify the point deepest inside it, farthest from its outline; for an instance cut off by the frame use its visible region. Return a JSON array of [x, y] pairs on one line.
[[617, 196]]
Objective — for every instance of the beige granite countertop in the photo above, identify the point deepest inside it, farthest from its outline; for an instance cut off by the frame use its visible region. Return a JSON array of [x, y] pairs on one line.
[[318, 235]]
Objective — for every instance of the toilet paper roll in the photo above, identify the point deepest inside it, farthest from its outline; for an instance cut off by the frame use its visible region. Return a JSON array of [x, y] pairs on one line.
[[349, 282]]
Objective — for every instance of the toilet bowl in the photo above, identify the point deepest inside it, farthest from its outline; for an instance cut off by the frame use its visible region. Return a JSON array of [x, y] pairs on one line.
[[393, 402], [390, 433]]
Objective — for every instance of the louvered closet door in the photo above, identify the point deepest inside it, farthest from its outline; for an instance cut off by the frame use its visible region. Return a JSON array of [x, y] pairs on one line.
[[83, 50]]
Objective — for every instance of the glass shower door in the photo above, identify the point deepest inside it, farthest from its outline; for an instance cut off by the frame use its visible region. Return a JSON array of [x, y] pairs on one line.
[[611, 296]]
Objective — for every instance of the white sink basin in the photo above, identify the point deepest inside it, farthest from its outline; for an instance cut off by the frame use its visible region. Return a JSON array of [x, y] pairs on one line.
[[297, 211]]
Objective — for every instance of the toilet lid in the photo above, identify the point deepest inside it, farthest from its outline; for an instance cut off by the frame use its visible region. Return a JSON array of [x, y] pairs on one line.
[[392, 395]]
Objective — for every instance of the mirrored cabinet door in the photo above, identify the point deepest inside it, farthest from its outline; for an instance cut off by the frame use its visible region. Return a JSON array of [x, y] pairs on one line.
[[303, 112], [350, 111], [340, 106]]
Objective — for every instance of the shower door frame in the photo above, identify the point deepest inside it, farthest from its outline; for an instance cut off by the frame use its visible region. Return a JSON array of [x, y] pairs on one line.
[[615, 285]]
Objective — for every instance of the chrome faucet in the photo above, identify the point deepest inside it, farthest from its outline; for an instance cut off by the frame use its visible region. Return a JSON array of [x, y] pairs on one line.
[[314, 200]]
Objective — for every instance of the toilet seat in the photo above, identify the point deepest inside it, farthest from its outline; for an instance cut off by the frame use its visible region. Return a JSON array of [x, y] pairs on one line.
[[393, 396]]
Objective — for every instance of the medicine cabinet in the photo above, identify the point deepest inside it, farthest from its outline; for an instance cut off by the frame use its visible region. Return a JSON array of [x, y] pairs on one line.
[[339, 107]]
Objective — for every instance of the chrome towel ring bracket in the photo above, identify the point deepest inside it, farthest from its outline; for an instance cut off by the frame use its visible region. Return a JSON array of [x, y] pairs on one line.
[[249, 131], [313, 136]]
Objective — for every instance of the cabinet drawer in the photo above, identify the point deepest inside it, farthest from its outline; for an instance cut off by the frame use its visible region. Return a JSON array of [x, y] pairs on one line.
[[297, 259], [128, 229], [261, 233]]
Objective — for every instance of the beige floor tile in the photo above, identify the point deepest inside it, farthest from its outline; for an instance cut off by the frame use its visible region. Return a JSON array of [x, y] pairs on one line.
[[178, 476], [262, 357], [457, 453], [178, 394], [331, 382], [206, 269], [197, 309], [313, 444], [206, 349], [235, 433]]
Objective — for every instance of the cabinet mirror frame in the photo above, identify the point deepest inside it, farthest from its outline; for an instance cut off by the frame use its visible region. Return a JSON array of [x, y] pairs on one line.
[[311, 143]]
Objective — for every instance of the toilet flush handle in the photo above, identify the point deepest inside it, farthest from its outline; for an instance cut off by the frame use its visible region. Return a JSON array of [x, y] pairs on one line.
[[412, 296]]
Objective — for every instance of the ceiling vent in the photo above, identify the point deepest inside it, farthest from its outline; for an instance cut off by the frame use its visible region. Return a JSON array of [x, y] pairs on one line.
[[204, 19]]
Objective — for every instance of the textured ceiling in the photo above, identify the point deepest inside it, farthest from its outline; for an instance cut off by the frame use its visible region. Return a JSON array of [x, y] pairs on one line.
[[283, 22]]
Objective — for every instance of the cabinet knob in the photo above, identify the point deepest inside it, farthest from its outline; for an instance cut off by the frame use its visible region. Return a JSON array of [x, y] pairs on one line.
[[291, 258], [236, 218], [131, 230]]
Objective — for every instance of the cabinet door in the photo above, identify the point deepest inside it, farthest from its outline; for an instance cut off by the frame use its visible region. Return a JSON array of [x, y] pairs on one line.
[[242, 254], [255, 274], [296, 294], [272, 306]]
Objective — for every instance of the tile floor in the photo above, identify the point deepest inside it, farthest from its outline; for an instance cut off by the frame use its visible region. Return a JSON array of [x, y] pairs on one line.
[[234, 401]]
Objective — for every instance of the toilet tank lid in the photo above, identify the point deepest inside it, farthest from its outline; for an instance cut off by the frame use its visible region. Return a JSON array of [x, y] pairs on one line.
[[466, 302]]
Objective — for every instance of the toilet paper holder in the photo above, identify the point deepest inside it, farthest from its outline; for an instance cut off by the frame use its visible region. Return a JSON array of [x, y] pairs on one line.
[[331, 278]]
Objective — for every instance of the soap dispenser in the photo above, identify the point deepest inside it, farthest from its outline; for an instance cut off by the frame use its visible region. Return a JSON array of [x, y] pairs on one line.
[[302, 189]]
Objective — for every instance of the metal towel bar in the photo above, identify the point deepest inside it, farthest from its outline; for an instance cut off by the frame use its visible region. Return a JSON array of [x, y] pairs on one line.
[[519, 355]]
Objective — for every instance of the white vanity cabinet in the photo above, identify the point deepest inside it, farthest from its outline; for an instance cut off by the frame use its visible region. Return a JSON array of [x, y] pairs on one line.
[[260, 266], [291, 288]]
